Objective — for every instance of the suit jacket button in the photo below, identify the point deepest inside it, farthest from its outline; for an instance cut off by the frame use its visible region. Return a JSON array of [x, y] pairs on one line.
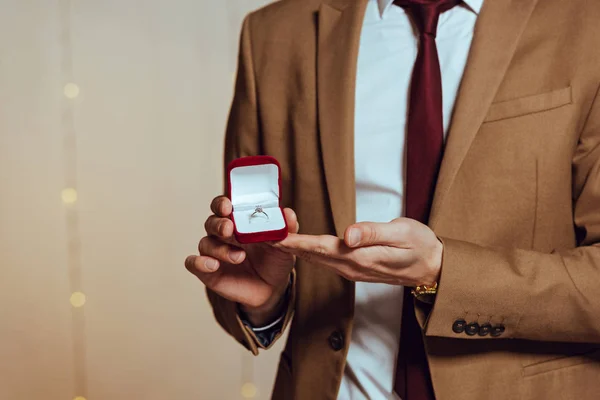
[[459, 326], [497, 330], [472, 329], [336, 341], [485, 329]]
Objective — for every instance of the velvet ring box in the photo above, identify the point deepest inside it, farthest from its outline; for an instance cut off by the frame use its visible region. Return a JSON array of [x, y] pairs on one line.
[[254, 186]]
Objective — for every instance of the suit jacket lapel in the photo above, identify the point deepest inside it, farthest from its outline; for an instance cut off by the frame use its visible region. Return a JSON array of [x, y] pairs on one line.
[[497, 32], [339, 27]]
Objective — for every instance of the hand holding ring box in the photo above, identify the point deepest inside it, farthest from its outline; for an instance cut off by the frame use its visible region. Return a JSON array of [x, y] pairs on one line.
[[255, 193]]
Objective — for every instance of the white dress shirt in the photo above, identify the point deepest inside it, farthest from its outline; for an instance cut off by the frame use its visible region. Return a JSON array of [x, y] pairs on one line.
[[388, 50]]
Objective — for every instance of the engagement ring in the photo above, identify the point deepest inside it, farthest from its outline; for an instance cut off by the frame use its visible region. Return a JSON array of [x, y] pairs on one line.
[[259, 210]]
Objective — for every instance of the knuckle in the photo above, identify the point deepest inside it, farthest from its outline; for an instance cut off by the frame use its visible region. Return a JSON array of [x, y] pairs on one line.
[[214, 204], [226, 229], [406, 228], [360, 259], [215, 226], [378, 268], [201, 245], [362, 264], [218, 205], [204, 246], [224, 204], [321, 250], [220, 228], [208, 224]]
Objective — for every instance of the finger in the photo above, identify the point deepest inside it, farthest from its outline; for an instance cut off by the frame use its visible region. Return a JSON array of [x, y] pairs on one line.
[[309, 253], [324, 245], [347, 268], [204, 269], [236, 284], [220, 227], [292, 220], [201, 264], [221, 206], [212, 247], [396, 233]]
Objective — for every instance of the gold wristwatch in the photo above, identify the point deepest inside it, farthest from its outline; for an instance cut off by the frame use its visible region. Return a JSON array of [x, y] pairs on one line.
[[425, 293]]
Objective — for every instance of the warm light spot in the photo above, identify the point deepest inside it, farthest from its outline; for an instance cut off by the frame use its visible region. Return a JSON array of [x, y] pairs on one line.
[[69, 195], [71, 90], [79, 398], [77, 299], [249, 390]]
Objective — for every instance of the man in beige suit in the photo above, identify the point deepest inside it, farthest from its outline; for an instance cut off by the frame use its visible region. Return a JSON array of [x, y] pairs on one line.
[[510, 250]]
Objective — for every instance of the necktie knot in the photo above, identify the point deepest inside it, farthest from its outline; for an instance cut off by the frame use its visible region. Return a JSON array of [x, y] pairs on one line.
[[426, 13]]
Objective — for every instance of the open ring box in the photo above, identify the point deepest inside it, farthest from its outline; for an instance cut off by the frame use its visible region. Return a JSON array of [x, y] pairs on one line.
[[254, 185]]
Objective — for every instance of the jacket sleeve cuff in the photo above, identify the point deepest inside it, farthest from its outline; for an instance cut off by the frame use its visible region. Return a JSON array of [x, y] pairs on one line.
[[467, 292], [266, 336]]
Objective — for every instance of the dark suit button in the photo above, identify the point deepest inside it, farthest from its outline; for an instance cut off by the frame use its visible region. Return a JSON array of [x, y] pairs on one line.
[[497, 330], [336, 341], [459, 326], [472, 329], [485, 329]]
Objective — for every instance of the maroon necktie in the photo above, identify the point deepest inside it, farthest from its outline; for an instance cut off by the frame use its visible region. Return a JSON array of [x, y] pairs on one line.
[[424, 143]]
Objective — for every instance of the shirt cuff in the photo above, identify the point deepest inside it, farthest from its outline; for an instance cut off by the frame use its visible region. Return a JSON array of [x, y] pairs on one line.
[[270, 326]]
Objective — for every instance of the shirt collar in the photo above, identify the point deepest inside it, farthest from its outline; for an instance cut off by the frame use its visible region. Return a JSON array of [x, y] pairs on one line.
[[474, 5]]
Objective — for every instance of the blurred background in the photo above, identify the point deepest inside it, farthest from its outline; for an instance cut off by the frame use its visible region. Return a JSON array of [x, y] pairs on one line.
[[112, 114]]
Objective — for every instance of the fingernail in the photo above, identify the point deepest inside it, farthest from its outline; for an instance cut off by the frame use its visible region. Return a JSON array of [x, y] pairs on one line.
[[354, 237], [211, 265], [236, 256]]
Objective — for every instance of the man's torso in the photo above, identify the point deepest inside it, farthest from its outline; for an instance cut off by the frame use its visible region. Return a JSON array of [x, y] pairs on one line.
[[505, 180], [387, 52]]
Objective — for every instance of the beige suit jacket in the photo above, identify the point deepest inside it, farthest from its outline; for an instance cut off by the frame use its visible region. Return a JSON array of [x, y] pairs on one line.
[[517, 203]]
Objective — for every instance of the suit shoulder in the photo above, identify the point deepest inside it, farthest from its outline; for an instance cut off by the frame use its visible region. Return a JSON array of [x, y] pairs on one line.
[[284, 11], [283, 21]]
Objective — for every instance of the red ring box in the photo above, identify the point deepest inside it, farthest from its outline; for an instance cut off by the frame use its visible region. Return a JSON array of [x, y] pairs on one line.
[[256, 182]]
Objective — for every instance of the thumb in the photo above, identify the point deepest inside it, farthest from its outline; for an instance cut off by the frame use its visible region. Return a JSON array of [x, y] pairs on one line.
[[292, 220], [364, 234]]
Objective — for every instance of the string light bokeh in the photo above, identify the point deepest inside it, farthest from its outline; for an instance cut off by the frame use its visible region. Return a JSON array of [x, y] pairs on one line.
[[69, 196], [112, 116]]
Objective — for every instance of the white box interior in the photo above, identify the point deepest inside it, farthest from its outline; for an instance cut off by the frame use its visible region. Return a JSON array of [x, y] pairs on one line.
[[251, 187]]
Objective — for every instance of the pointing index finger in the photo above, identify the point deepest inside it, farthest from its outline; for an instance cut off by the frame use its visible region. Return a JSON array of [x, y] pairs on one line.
[[324, 245]]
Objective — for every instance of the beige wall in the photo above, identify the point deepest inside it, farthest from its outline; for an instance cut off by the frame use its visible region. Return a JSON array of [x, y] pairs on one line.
[[142, 145]]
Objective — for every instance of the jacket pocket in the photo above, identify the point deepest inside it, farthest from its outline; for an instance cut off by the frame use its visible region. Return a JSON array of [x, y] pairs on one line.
[[562, 362], [529, 105]]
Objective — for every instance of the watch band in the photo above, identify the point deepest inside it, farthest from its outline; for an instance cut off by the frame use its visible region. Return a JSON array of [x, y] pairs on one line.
[[425, 293]]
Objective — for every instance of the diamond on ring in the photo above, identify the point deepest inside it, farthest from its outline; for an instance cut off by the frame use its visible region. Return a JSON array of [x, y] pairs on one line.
[[259, 211]]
